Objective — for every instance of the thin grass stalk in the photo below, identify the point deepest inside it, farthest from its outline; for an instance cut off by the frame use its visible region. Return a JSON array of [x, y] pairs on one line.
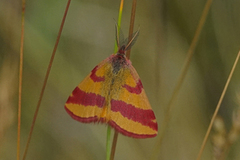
[[217, 107], [134, 4], [20, 80], [45, 79], [119, 23], [180, 80], [110, 155], [108, 142], [114, 144]]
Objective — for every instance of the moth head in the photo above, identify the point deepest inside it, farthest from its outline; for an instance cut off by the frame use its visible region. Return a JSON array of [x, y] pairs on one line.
[[125, 44]]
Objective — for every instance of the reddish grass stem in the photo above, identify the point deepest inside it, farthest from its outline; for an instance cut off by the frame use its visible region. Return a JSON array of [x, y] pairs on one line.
[[46, 78], [134, 4], [114, 144]]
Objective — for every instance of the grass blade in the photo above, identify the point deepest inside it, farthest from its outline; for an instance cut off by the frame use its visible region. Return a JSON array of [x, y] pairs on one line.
[[20, 80]]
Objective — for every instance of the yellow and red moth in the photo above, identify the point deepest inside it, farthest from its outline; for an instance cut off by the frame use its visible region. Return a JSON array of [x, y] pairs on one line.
[[113, 93]]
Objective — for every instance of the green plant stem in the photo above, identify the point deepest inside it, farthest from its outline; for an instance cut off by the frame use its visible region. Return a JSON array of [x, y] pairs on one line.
[[108, 145], [119, 23]]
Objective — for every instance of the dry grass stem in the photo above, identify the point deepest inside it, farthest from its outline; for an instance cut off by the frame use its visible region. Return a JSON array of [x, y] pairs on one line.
[[20, 80], [46, 78], [180, 80], [217, 108]]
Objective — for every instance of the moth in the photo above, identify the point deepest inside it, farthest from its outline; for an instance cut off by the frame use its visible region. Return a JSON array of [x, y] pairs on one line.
[[113, 93]]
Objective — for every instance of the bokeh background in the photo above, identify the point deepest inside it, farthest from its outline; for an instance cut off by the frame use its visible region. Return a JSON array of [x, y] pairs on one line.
[[166, 31]]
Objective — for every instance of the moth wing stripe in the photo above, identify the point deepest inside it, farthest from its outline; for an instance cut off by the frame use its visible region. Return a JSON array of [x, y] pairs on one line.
[[88, 99], [145, 117], [131, 128]]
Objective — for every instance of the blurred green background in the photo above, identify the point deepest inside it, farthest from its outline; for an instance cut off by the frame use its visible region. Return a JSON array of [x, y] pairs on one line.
[[167, 29]]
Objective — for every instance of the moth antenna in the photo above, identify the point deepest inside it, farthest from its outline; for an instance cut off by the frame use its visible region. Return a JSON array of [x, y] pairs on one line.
[[133, 39], [117, 35]]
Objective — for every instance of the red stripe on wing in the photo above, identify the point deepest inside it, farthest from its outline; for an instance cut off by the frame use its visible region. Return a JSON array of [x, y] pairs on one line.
[[81, 119], [129, 134], [145, 117], [137, 89], [86, 99], [94, 77]]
